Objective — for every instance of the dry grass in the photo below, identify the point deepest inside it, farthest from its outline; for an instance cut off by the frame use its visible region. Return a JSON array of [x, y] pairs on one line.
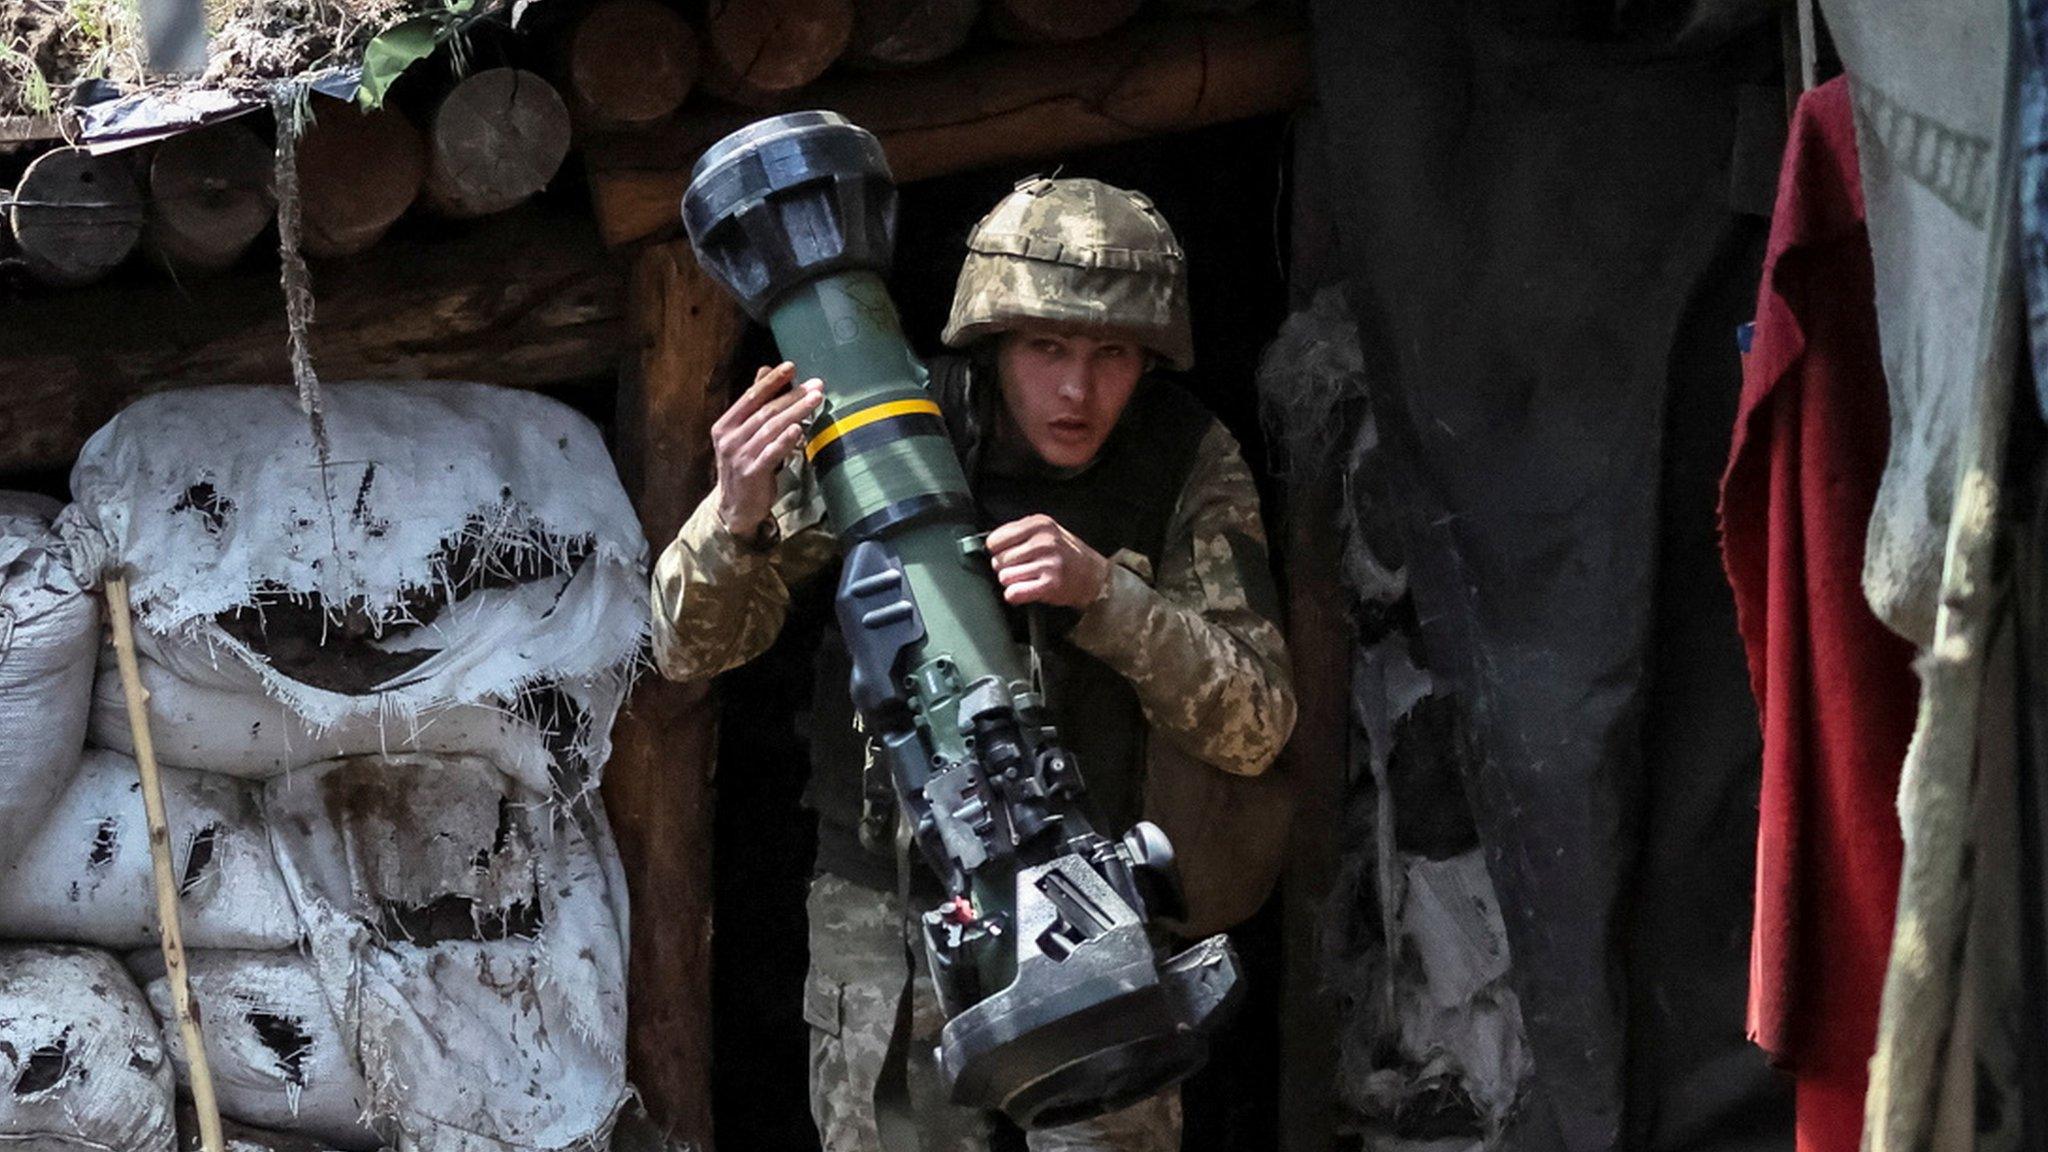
[[49, 46]]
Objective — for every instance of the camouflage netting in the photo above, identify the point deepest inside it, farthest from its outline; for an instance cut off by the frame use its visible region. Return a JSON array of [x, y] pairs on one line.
[[1431, 1052]]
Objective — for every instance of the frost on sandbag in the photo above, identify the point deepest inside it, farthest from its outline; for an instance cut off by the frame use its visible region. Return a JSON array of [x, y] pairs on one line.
[[277, 1056], [49, 629], [467, 547], [82, 1065], [470, 934], [84, 875]]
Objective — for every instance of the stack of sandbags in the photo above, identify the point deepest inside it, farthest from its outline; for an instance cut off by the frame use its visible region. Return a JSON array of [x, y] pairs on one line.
[[81, 1063], [459, 571], [49, 627], [383, 670]]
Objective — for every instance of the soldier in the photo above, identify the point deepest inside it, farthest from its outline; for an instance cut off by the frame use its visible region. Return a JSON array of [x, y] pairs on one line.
[[1121, 508]]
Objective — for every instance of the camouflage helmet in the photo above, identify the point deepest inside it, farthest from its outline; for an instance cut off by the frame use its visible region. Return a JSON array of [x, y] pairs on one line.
[[1075, 252]]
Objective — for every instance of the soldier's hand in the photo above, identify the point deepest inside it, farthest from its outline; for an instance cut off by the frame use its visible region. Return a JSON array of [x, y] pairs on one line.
[[1039, 562], [752, 440]]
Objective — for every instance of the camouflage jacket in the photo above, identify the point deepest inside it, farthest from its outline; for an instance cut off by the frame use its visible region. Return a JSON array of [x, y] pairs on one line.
[[1211, 673]]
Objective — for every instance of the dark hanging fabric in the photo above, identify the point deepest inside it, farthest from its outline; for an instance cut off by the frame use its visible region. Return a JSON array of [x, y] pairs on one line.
[[1694, 1081], [1536, 220], [1837, 688], [2030, 601]]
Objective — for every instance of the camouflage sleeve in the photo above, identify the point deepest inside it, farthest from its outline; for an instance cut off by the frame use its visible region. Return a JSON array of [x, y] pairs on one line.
[[718, 603], [1200, 644]]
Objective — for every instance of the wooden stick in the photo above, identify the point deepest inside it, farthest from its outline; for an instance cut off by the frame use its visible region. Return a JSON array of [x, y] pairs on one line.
[[168, 932]]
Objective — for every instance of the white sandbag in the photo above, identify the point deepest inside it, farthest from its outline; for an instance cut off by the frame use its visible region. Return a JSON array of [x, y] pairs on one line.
[[85, 876], [277, 1056], [82, 1065], [237, 729], [465, 545], [239, 1137], [471, 935], [49, 629]]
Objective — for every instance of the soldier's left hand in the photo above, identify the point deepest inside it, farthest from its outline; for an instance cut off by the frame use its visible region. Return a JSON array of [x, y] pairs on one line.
[[1039, 562]]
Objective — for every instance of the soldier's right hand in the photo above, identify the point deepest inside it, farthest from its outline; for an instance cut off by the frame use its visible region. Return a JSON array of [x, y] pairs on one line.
[[752, 440]]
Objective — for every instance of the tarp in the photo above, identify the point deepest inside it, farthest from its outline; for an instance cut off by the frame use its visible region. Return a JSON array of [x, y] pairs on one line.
[[1539, 224]]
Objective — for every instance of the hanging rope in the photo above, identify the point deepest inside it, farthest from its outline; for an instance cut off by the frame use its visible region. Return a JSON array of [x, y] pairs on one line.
[[288, 105]]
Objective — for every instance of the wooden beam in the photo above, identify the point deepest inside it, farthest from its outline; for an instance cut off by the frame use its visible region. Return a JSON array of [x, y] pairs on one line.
[[1316, 760], [972, 111], [527, 299], [657, 787]]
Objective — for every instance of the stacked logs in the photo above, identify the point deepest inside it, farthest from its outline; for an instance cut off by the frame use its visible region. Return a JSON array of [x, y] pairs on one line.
[[196, 202], [624, 74]]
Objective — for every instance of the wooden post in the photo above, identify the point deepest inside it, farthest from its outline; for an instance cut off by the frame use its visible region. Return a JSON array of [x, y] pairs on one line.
[[209, 196], [358, 173], [658, 785], [1318, 640], [497, 138]]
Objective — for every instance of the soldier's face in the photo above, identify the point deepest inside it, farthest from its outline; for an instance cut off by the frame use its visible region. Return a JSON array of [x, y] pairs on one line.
[[1065, 389]]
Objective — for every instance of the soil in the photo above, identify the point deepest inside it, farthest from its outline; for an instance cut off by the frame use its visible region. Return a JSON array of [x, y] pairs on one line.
[[48, 47]]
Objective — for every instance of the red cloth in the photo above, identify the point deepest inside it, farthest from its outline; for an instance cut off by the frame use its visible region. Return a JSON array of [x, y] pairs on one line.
[[1836, 690]]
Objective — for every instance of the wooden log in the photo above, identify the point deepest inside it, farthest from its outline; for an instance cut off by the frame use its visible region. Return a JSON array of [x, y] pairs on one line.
[[498, 137], [657, 787], [760, 52], [631, 62], [209, 196], [1212, 6], [527, 300], [906, 33], [358, 173], [1058, 21], [76, 215], [1019, 104]]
